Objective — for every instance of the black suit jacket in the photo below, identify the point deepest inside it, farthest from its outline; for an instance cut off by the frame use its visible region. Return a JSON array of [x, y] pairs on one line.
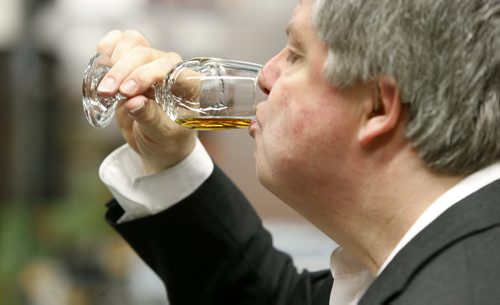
[[211, 248]]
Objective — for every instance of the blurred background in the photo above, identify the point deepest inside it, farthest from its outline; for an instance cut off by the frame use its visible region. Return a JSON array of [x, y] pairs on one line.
[[55, 247]]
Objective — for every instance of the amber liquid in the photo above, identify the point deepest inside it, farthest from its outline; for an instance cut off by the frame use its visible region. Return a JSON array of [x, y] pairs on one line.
[[211, 123]]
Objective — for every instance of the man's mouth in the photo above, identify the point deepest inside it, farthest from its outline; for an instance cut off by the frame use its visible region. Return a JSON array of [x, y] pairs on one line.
[[253, 127]]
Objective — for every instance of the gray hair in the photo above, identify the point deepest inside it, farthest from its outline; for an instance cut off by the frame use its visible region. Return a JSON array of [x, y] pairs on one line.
[[445, 57]]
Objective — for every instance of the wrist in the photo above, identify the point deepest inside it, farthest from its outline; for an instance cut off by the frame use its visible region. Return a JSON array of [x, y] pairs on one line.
[[159, 163]]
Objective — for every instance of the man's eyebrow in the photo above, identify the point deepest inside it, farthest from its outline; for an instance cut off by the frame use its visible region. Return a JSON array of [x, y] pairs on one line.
[[289, 29], [293, 36]]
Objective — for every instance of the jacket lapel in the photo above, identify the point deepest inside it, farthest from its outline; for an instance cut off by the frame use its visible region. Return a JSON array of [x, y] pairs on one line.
[[476, 212]]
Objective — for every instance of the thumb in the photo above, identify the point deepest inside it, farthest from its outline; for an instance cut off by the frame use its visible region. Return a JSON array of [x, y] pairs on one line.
[[145, 112]]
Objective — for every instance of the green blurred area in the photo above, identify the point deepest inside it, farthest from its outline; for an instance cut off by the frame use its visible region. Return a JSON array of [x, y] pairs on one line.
[[55, 246], [63, 233]]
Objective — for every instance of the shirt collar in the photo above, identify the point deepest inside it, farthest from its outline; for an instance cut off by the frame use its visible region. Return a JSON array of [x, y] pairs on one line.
[[467, 186], [351, 278]]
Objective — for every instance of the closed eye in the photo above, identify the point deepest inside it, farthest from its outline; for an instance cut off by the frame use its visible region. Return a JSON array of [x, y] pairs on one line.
[[292, 56]]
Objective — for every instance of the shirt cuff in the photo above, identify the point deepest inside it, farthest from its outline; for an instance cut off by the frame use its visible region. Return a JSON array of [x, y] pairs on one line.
[[142, 195]]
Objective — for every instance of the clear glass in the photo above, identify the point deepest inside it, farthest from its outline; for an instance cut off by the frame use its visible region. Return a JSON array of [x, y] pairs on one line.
[[199, 93]]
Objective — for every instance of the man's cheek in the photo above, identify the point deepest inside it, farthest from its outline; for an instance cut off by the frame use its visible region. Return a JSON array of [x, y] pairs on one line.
[[304, 118]]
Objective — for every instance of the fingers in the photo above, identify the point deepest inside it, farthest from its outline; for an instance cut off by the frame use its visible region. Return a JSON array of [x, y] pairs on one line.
[[130, 40], [144, 76], [134, 58], [135, 66], [117, 43]]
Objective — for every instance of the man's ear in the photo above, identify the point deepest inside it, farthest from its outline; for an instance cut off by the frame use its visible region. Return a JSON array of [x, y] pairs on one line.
[[384, 112]]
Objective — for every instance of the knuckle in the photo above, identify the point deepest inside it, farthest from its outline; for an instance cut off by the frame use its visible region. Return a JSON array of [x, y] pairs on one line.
[[114, 33], [174, 56], [136, 36], [132, 33], [165, 63], [143, 51], [168, 61], [108, 40]]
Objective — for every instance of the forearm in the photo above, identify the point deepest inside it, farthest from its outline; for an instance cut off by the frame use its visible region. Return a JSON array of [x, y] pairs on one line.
[[212, 249]]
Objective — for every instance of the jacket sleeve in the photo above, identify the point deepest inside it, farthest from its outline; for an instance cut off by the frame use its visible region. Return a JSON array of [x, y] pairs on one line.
[[211, 248]]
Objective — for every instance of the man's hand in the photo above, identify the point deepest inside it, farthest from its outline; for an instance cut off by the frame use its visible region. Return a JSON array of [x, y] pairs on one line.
[[135, 67]]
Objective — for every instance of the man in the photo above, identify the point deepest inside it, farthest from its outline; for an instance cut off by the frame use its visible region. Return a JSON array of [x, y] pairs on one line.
[[381, 128]]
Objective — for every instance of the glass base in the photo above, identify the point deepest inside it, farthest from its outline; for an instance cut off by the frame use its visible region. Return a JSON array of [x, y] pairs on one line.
[[99, 110]]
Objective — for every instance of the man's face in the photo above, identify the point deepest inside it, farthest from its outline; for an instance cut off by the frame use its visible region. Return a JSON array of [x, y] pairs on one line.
[[306, 129]]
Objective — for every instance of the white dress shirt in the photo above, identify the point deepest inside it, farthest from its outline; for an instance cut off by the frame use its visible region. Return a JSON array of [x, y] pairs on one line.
[[141, 195]]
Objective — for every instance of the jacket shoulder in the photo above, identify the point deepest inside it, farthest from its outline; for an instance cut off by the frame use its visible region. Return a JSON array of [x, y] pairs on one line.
[[467, 272]]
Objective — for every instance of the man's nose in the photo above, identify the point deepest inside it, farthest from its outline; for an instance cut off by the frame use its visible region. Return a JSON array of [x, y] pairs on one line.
[[262, 84], [269, 74]]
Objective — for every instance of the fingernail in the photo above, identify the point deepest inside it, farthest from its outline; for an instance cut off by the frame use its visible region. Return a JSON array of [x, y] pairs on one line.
[[136, 105], [107, 85], [128, 87]]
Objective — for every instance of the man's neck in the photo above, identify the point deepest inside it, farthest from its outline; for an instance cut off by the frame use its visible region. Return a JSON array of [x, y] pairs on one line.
[[389, 205]]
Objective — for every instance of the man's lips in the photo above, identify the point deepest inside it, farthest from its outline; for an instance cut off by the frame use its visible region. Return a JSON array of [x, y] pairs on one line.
[[254, 124], [253, 127]]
